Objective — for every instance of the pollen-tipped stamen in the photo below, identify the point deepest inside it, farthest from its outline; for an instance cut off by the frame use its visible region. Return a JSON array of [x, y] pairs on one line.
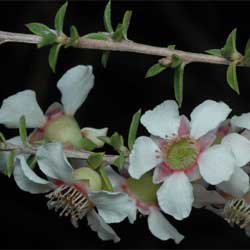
[[71, 201]]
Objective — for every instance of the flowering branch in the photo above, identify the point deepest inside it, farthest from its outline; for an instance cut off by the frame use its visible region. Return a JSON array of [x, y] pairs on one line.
[[123, 46]]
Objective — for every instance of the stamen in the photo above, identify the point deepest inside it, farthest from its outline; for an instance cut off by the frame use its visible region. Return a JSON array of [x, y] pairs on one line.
[[71, 201], [237, 211]]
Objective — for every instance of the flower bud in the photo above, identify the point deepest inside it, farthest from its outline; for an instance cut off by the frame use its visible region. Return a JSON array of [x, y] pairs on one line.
[[93, 133]]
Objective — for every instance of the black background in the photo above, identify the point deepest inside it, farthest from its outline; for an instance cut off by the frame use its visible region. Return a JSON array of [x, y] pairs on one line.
[[119, 91]]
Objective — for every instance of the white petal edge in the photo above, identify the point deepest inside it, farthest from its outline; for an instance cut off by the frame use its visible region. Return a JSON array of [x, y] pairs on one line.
[[27, 180], [23, 103], [175, 196], [242, 121], [238, 184], [163, 120], [240, 147], [207, 116], [216, 164], [53, 162], [113, 207], [144, 156], [161, 228], [75, 86], [93, 133], [104, 231]]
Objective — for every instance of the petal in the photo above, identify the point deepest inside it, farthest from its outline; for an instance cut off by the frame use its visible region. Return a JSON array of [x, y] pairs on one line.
[[75, 85], [160, 173], [115, 179], [104, 231], [161, 228], [216, 164], [112, 207], [242, 121], [93, 133], [54, 109], [175, 196], [206, 140], [53, 162], [203, 197], [237, 185], [27, 180], [163, 120], [184, 128], [240, 147], [21, 104], [207, 116], [144, 156]]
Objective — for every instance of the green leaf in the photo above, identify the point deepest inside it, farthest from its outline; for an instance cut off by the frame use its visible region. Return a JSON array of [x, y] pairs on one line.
[[105, 139], [155, 70], [107, 18], [59, 19], [53, 56], [133, 129], [229, 50], [2, 137], [119, 161], [232, 77], [88, 144], [117, 141], [125, 23], [105, 179], [178, 83], [118, 34], [10, 163], [73, 37], [105, 57], [176, 61], [38, 28], [97, 36], [95, 160], [23, 130], [171, 46], [47, 40], [32, 161], [214, 52], [247, 48]]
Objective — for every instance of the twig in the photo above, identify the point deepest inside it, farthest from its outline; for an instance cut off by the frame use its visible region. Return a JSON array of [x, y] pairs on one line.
[[123, 46]]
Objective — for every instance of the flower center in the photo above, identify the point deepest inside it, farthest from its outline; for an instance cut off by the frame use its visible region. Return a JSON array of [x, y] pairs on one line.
[[181, 153], [70, 201], [143, 189]]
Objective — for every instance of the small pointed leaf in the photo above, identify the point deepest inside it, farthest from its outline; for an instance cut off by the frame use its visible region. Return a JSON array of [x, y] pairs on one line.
[[133, 129], [10, 163], [59, 18], [214, 52], [176, 61], [105, 57], [88, 144], [39, 29], [95, 160], [126, 22], [53, 56], [105, 139], [23, 130], [118, 34], [105, 179], [119, 161], [155, 70], [232, 77], [107, 18], [178, 83], [73, 37], [2, 137], [171, 46], [117, 141], [97, 36]]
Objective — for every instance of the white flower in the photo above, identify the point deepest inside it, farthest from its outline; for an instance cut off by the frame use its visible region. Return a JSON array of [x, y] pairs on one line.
[[75, 192], [179, 152], [57, 124], [143, 194]]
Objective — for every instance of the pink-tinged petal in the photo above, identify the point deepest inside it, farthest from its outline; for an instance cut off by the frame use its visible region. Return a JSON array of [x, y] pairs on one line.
[[206, 140], [75, 86], [54, 109], [36, 135], [224, 128], [53, 162], [144, 156], [207, 116], [23, 103], [175, 196], [203, 197], [113, 207], [27, 180], [104, 231], [163, 120], [184, 128], [242, 121], [194, 174], [216, 164], [161, 172], [238, 184], [240, 147], [161, 228]]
